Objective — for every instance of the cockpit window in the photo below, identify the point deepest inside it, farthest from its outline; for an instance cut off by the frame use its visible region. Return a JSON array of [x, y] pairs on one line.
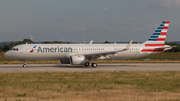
[[14, 49]]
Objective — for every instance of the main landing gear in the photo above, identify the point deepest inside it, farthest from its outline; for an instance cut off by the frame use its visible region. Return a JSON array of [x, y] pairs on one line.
[[94, 65], [25, 64], [86, 64]]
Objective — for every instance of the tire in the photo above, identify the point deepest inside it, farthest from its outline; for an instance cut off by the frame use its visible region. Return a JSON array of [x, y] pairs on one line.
[[94, 65], [86, 64], [24, 65]]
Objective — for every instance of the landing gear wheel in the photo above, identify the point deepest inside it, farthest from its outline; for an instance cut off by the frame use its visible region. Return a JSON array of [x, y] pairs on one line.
[[86, 64], [24, 65], [94, 65]]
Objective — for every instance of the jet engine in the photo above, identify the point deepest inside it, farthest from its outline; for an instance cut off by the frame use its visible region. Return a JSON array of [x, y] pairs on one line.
[[78, 60]]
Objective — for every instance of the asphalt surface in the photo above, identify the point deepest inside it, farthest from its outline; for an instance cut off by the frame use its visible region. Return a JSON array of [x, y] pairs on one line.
[[17, 68]]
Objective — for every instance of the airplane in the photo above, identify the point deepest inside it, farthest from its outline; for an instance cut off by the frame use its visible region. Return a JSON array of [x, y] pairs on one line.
[[82, 54]]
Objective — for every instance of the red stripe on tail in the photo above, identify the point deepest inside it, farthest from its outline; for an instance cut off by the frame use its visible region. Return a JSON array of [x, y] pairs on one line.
[[163, 33], [153, 45], [165, 27], [161, 39], [167, 22]]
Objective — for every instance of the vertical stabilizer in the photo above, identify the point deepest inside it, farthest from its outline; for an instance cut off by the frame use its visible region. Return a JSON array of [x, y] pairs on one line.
[[157, 39]]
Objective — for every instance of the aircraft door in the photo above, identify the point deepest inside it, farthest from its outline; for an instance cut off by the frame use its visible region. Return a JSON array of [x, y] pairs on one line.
[[26, 50], [110, 48]]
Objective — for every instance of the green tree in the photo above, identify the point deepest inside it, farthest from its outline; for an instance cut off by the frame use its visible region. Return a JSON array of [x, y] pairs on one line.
[[135, 42], [19, 42], [68, 42], [28, 41], [106, 42], [53, 42], [1, 48], [12, 44], [175, 49], [6, 47]]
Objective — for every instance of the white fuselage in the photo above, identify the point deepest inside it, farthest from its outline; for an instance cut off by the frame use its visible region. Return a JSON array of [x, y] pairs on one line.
[[64, 51]]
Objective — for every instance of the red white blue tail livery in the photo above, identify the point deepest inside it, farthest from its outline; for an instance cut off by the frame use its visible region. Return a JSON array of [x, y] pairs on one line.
[[157, 39], [159, 36]]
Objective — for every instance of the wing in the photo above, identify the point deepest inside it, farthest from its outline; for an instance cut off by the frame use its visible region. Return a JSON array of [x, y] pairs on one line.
[[94, 56]]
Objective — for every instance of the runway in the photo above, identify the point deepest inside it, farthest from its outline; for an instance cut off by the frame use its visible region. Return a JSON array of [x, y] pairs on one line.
[[17, 68]]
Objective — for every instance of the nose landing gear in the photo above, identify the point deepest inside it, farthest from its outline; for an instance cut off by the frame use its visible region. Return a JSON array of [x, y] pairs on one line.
[[25, 64]]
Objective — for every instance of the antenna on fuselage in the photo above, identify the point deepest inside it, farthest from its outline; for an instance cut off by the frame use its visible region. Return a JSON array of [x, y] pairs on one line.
[[62, 40], [84, 41]]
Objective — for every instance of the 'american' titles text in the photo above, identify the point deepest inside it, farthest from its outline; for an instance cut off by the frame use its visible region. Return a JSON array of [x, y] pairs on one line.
[[57, 49]]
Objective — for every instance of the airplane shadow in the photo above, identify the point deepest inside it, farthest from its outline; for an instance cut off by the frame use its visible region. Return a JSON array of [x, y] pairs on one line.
[[43, 66], [68, 66], [99, 66], [114, 65], [28, 66]]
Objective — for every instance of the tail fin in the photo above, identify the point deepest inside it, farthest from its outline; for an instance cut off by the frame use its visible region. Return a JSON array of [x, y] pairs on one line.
[[158, 37]]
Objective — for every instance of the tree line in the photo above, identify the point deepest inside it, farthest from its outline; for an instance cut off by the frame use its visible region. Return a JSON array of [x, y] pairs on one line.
[[175, 49], [5, 47]]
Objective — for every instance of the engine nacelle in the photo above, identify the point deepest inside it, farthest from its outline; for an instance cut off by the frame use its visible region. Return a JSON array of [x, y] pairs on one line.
[[67, 61], [78, 60]]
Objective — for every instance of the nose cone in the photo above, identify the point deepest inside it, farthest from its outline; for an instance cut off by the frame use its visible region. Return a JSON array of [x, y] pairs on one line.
[[7, 54]]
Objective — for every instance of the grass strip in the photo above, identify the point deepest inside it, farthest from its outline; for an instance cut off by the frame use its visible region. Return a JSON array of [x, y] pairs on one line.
[[90, 86]]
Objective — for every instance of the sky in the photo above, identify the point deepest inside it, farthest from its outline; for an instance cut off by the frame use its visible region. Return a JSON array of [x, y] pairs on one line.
[[98, 20]]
